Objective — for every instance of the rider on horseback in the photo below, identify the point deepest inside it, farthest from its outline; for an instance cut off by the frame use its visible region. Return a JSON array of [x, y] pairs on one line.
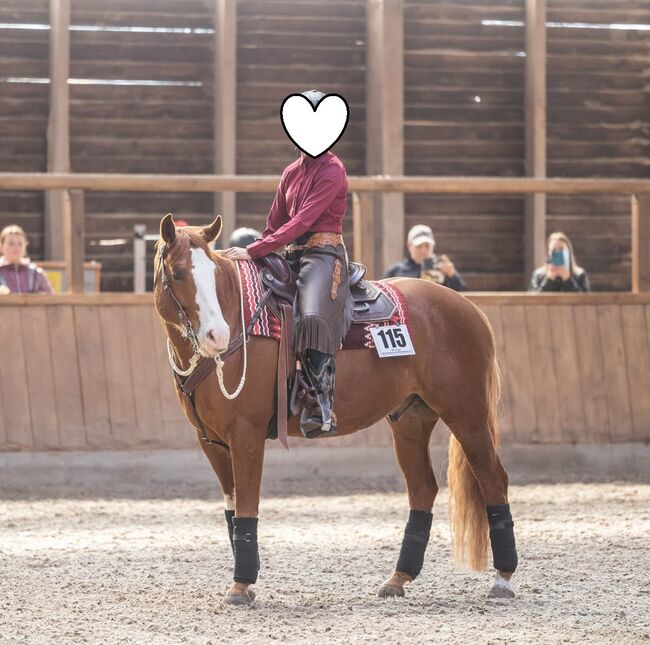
[[307, 215]]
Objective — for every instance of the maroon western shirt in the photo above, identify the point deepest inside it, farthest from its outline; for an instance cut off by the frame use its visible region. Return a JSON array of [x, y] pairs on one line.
[[311, 198]]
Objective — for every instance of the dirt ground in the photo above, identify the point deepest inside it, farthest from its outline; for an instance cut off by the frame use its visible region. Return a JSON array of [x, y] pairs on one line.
[[146, 568]]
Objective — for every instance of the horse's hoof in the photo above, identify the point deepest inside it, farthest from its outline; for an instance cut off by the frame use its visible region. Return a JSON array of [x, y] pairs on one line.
[[501, 588], [239, 599], [391, 591]]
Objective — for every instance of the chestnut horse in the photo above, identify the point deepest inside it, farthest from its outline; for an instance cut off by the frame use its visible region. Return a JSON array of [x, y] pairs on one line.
[[453, 376]]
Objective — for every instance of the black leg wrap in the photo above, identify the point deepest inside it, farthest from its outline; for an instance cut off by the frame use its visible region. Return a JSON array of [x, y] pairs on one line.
[[502, 537], [247, 560], [229, 520], [414, 544]]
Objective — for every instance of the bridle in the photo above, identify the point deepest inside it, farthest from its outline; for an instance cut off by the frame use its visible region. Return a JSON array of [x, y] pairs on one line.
[[188, 329], [191, 335]]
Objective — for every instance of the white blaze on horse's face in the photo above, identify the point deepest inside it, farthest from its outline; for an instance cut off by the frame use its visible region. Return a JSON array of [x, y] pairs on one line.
[[214, 333]]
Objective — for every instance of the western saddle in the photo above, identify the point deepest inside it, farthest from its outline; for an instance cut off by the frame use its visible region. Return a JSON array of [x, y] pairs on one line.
[[370, 303]]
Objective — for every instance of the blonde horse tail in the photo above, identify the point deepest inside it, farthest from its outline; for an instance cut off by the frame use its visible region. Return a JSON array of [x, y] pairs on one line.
[[467, 511]]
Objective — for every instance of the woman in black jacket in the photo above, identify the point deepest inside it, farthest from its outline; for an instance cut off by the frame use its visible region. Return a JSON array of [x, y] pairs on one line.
[[561, 271]]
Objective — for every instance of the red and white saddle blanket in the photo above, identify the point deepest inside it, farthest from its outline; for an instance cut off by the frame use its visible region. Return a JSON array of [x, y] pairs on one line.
[[268, 326]]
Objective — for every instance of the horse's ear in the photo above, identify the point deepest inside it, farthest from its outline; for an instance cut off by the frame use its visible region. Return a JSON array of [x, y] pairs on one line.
[[168, 228], [212, 231]]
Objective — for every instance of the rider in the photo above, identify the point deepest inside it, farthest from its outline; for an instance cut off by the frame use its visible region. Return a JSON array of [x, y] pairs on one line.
[[307, 215]]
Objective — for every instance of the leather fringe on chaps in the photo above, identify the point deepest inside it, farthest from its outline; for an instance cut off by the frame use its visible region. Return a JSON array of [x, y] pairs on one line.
[[323, 307]]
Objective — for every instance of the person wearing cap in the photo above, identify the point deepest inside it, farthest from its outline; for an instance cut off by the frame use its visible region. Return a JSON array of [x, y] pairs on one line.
[[421, 262], [242, 237], [307, 216]]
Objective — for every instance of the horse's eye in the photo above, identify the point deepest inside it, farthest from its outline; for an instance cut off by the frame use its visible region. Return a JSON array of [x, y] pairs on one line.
[[178, 275]]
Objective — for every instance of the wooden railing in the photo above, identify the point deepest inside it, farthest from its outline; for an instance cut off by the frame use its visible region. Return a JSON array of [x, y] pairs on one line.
[[363, 223]]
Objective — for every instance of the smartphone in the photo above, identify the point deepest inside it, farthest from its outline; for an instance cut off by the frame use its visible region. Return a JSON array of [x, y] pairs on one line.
[[427, 264], [557, 258]]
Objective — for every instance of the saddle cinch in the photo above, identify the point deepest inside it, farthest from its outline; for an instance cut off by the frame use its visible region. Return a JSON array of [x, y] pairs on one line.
[[370, 305]]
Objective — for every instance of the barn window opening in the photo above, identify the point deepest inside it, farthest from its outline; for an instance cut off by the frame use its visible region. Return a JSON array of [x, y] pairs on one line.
[[104, 81], [570, 25], [113, 28]]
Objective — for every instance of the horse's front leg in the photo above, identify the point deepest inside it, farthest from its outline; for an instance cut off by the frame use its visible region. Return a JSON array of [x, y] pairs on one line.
[[221, 463], [247, 455]]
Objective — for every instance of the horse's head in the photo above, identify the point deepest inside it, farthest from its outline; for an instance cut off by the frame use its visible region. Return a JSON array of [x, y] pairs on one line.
[[185, 284]]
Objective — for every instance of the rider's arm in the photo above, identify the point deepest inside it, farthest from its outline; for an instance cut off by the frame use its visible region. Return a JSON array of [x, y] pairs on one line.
[[325, 189], [278, 214]]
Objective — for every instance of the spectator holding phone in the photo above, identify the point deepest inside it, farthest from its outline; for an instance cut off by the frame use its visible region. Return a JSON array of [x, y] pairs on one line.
[[422, 262], [18, 274], [561, 271]]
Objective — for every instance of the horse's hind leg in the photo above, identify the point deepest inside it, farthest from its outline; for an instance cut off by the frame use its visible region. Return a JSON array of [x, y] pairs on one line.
[[479, 483], [411, 435]]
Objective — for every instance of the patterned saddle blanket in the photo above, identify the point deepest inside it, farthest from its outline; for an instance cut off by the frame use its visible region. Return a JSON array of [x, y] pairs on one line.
[[366, 295]]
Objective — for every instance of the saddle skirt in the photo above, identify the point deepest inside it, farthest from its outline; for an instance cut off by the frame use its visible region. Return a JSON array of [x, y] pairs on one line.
[[376, 304]]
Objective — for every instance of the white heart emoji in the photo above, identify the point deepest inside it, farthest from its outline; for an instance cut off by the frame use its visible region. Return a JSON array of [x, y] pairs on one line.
[[314, 130]]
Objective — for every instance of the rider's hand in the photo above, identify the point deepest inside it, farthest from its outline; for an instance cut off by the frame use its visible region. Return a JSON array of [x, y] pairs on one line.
[[237, 253]]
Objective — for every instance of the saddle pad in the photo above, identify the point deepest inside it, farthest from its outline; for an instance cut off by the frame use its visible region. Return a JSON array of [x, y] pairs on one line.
[[268, 326]]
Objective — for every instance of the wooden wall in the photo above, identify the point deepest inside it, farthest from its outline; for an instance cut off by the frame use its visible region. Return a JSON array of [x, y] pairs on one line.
[[140, 128], [598, 125], [597, 115], [464, 115], [24, 111], [83, 373]]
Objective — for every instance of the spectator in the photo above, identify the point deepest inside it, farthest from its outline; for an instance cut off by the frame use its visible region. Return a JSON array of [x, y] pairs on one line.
[[561, 271], [242, 237], [421, 262], [17, 273]]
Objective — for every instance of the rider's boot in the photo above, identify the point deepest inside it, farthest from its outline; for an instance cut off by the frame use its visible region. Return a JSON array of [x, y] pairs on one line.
[[317, 418]]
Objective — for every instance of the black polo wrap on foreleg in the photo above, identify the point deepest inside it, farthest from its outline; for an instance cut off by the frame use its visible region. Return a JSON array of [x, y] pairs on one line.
[[247, 560], [229, 521], [502, 537], [414, 544]]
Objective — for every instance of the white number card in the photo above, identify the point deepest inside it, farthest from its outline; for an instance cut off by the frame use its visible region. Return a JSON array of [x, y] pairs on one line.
[[393, 340]]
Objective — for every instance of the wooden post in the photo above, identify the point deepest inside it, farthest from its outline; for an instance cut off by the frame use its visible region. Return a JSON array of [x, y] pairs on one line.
[[363, 230], [75, 250], [385, 122], [225, 107], [535, 117], [58, 128], [641, 243]]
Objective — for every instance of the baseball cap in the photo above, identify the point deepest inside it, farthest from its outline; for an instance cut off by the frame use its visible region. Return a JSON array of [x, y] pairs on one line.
[[420, 234]]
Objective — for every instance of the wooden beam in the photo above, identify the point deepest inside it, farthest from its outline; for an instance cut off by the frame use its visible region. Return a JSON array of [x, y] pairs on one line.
[[75, 249], [363, 230], [641, 243], [225, 108], [385, 121], [535, 125], [58, 128], [269, 183]]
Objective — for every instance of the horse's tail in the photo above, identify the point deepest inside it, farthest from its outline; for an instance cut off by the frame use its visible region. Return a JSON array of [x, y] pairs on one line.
[[467, 513]]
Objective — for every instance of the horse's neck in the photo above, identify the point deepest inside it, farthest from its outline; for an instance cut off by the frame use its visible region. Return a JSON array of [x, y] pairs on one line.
[[229, 295]]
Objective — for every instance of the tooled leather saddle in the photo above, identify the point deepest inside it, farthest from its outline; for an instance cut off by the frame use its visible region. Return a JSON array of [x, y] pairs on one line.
[[370, 303]]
